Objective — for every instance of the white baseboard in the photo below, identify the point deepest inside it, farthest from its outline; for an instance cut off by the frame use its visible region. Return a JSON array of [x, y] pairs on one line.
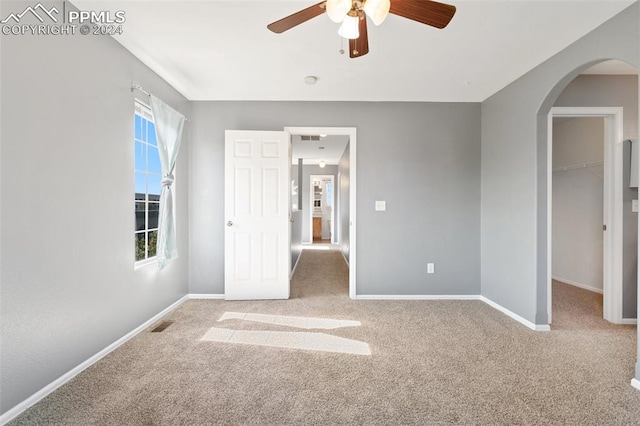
[[416, 297], [295, 266], [36, 397], [344, 257], [635, 383], [515, 316], [33, 399], [579, 285], [627, 321], [489, 302], [205, 296]]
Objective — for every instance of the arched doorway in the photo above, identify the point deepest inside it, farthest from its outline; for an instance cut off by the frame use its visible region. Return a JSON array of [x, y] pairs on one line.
[[613, 235]]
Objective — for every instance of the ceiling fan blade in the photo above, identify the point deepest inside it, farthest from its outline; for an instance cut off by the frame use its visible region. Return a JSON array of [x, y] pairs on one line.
[[297, 18], [360, 46], [425, 11]]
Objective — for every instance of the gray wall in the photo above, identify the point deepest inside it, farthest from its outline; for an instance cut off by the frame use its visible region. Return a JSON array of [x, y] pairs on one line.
[[630, 243], [514, 167], [69, 288], [616, 91], [422, 158], [296, 177], [295, 228], [296, 237], [343, 193]]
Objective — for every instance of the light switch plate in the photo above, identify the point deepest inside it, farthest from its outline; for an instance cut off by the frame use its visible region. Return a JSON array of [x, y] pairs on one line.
[[634, 206], [381, 206]]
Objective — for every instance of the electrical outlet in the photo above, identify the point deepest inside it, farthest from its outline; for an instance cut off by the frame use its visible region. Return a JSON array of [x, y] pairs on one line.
[[430, 268], [634, 206]]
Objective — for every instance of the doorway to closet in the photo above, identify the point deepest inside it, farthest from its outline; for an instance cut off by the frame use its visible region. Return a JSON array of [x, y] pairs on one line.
[[585, 180]]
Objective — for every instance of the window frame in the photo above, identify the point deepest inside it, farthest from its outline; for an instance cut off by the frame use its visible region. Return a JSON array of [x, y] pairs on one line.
[[143, 110]]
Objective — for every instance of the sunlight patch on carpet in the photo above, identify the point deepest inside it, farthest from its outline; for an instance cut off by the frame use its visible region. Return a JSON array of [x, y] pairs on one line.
[[288, 339], [289, 321]]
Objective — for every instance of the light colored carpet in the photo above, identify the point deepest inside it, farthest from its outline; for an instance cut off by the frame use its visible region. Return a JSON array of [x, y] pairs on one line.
[[432, 363], [578, 309]]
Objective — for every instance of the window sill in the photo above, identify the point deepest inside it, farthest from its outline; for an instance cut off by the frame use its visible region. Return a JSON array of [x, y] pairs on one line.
[[143, 263]]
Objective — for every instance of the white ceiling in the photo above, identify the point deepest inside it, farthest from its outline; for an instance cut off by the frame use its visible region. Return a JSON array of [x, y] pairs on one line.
[[332, 149], [222, 50]]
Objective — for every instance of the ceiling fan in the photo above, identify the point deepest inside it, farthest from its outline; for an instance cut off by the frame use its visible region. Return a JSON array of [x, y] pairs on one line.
[[352, 16]]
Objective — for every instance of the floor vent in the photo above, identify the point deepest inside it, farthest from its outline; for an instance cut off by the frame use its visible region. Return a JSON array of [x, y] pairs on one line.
[[162, 326]]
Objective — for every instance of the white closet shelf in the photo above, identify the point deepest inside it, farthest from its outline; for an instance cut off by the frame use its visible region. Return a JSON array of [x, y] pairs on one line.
[[578, 166]]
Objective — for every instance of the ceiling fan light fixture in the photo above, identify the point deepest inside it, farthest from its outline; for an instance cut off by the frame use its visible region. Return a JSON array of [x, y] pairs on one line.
[[337, 9], [377, 10], [349, 27], [352, 15]]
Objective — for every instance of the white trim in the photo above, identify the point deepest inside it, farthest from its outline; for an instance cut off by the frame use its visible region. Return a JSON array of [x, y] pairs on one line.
[[549, 217], [635, 383], [526, 323], [343, 256], [351, 133], [577, 284], [336, 194], [294, 267], [145, 262], [612, 263], [205, 296], [417, 297], [36, 397], [290, 208], [629, 321], [144, 110]]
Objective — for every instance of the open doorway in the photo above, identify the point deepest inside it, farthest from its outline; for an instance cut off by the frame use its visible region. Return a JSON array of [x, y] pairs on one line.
[[577, 220], [325, 157], [322, 205], [613, 87], [587, 149]]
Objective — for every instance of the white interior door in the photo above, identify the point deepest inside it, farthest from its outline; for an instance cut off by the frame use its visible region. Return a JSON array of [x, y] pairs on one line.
[[257, 215]]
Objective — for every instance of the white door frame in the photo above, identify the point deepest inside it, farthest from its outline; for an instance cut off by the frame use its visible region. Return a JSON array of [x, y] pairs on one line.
[[351, 133], [612, 262], [311, 206]]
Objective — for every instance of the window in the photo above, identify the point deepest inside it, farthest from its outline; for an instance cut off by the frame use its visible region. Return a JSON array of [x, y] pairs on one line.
[[148, 175]]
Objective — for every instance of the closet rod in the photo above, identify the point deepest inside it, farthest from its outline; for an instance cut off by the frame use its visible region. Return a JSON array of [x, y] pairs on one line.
[[579, 166]]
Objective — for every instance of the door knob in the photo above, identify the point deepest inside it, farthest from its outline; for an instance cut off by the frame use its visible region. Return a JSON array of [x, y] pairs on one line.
[[229, 223]]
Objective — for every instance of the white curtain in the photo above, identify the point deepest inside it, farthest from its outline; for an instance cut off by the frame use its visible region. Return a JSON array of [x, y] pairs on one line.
[[169, 125]]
